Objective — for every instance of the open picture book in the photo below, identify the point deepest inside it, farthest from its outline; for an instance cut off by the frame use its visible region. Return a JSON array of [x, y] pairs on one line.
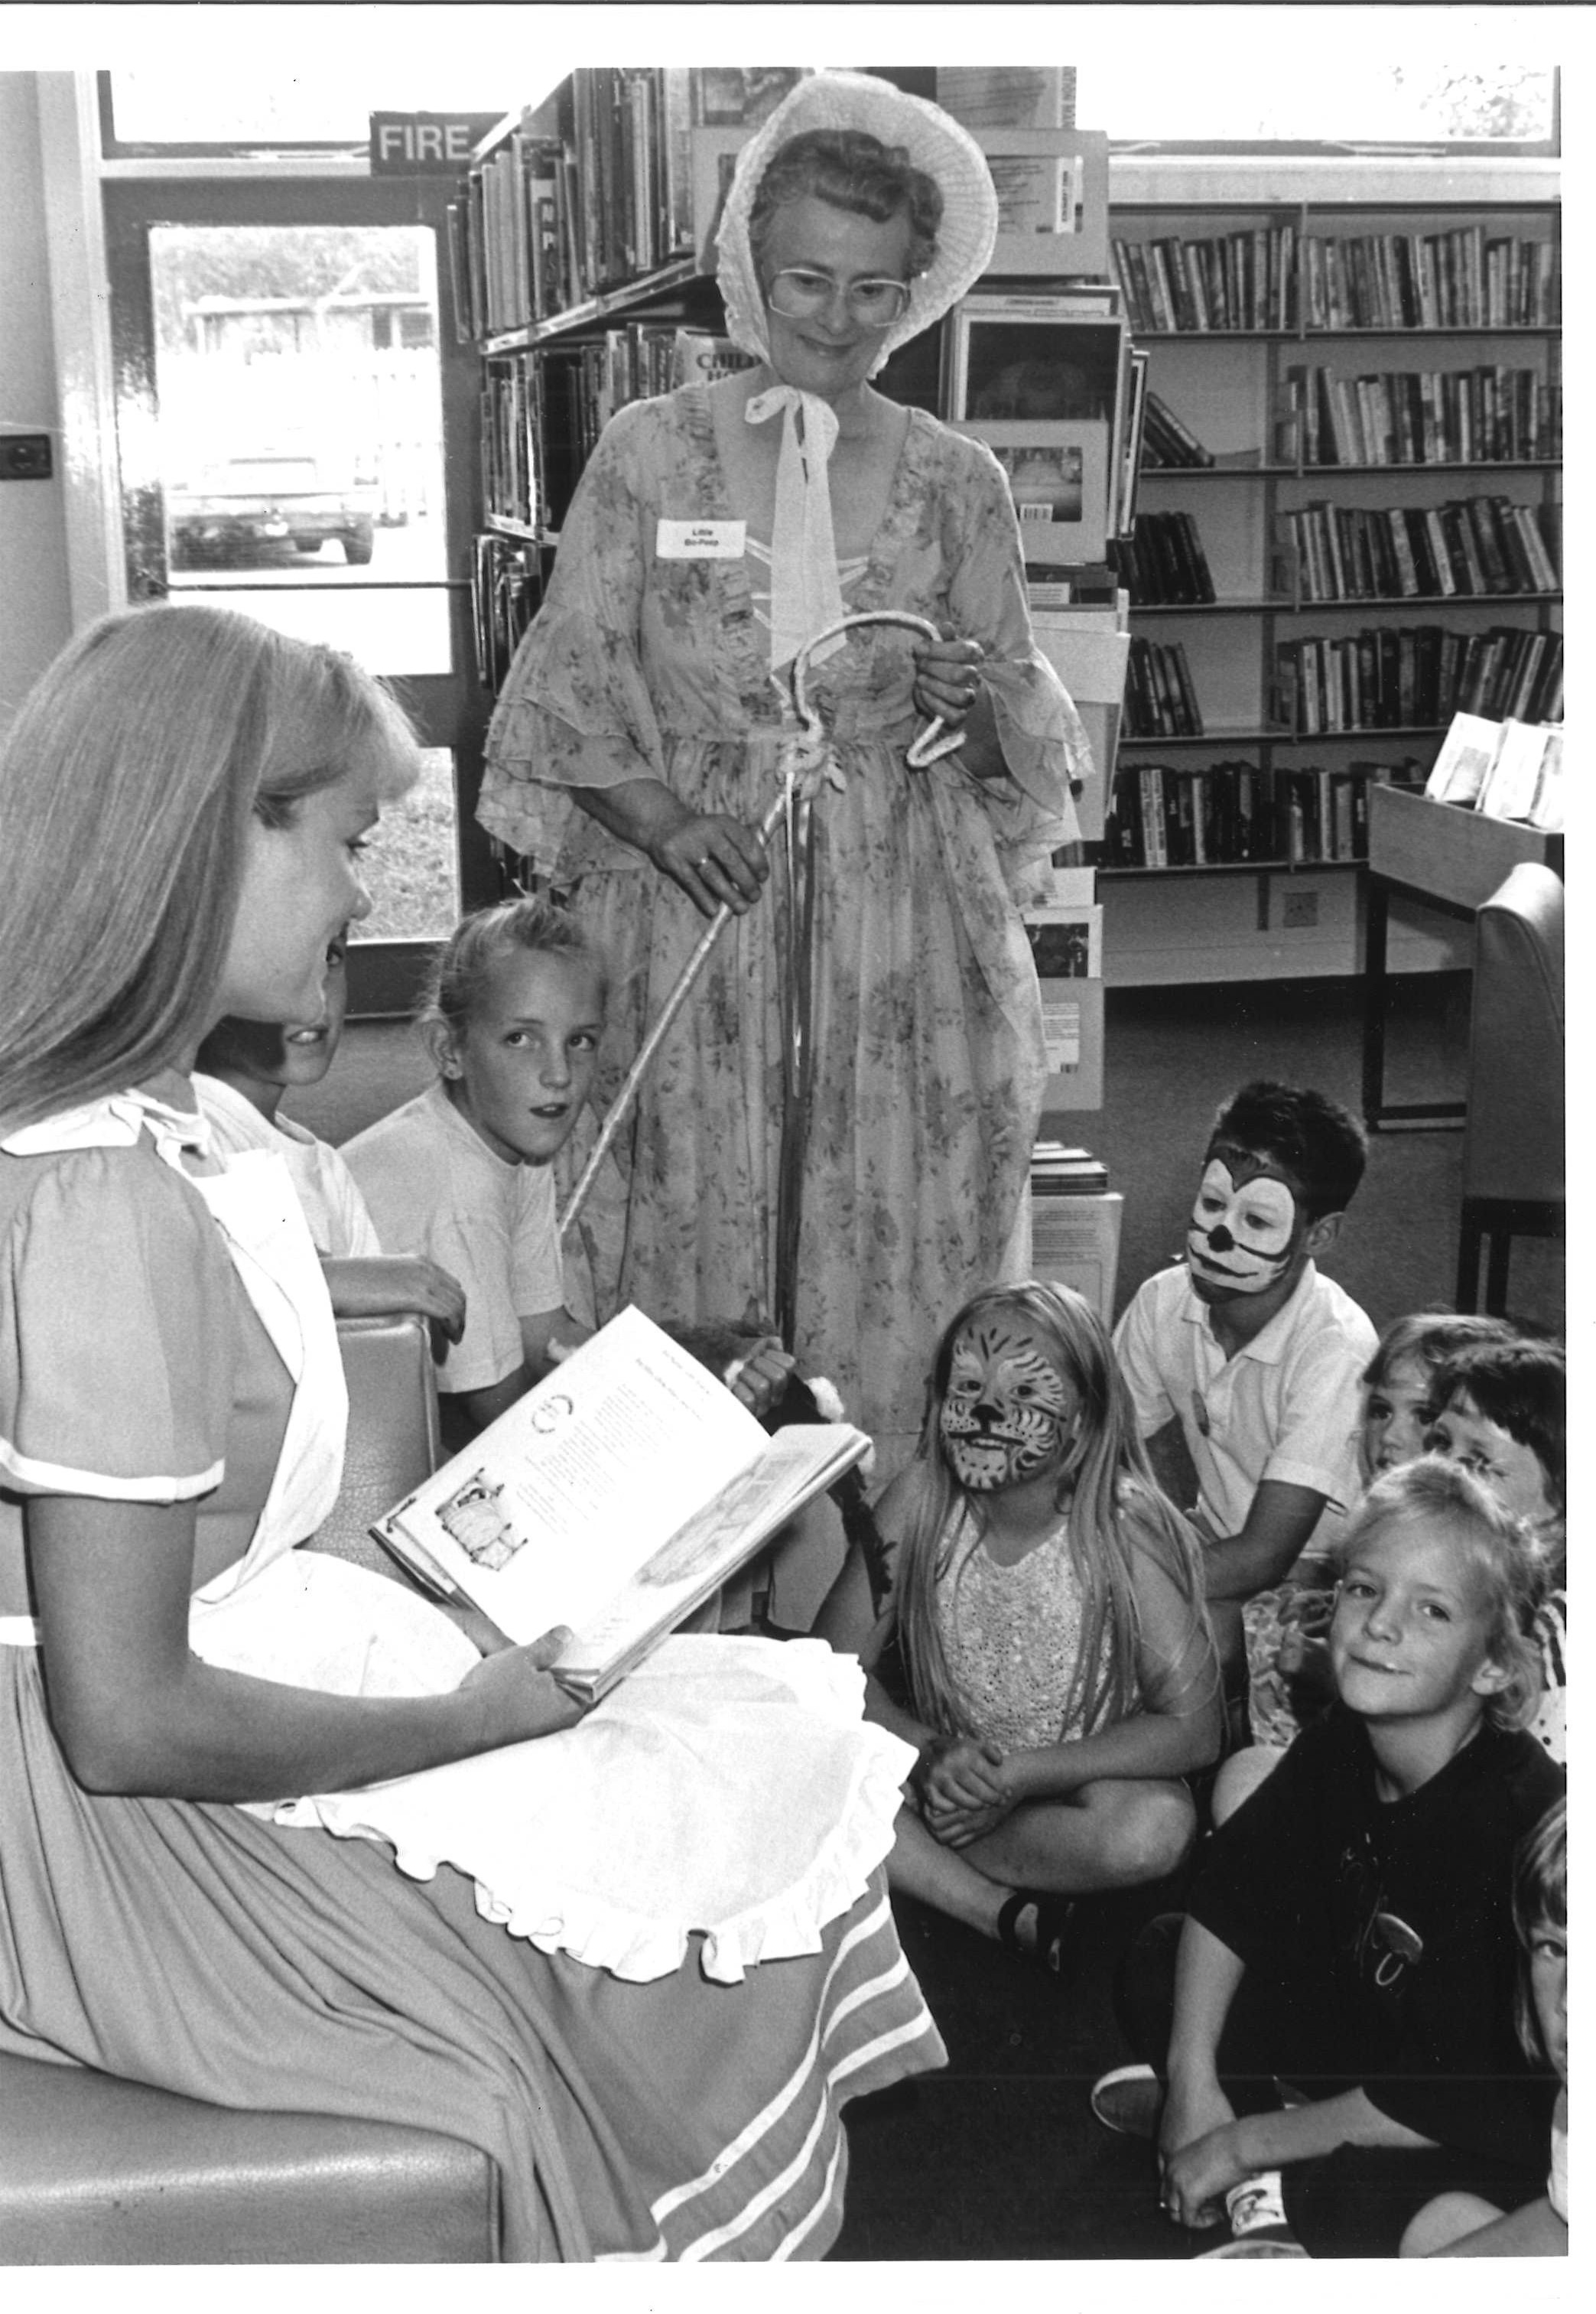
[[616, 1497]]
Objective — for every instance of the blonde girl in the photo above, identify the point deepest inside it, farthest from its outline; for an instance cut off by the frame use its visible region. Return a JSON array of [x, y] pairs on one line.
[[1059, 1671], [183, 801]]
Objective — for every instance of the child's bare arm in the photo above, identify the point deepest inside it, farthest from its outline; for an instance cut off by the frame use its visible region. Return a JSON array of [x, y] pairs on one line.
[[380, 1285], [1207, 1976], [1277, 1526], [848, 1620], [1198, 2176], [1534, 2231]]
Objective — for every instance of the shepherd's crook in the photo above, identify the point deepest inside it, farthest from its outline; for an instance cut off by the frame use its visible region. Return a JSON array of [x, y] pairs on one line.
[[808, 757]]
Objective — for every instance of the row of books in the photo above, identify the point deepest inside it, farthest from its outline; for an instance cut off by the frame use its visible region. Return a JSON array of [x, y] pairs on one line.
[[1163, 561], [1061, 1168], [508, 421], [1469, 546], [1168, 440], [1462, 278], [1419, 418], [505, 593], [1160, 697], [549, 219], [593, 190], [1398, 677], [563, 395], [1508, 770], [1244, 279], [1270, 278], [1164, 816]]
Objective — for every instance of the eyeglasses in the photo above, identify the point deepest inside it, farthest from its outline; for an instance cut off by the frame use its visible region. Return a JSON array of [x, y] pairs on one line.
[[801, 294]]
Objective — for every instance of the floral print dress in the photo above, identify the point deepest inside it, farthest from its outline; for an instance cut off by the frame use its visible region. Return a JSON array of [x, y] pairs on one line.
[[927, 1056]]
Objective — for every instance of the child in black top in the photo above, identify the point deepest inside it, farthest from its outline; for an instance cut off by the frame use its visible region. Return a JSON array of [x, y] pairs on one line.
[[1351, 1932]]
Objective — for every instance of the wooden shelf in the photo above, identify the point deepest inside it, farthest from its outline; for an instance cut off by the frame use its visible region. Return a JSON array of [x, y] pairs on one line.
[[610, 302], [1302, 474], [508, 527], [1321, 336], [1233, 868], [1276, 735], [1447, 850], [1283, 607]]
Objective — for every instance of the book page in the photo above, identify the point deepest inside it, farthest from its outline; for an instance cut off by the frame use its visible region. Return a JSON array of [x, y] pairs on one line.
[[797, 1461], [543, 1518]]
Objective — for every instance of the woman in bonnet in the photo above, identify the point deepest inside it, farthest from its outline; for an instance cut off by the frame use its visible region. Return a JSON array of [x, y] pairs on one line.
[[637, 746]]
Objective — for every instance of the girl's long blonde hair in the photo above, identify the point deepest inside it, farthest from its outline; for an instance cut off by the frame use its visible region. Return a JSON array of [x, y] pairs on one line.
[[1106, 1489], [128, 782]]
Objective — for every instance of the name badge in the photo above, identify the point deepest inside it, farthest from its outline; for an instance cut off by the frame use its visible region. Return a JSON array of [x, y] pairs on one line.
[[700, 542]]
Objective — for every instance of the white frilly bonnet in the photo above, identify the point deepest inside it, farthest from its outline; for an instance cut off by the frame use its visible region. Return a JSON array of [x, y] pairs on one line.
[[806, 592]]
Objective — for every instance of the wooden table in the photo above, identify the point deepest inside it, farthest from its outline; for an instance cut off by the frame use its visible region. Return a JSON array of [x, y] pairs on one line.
[[1454, 859]]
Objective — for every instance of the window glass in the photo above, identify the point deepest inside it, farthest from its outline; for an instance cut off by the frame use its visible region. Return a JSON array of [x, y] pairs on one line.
[[1314, 83], [410, 864], [203, 104], [300, 422]]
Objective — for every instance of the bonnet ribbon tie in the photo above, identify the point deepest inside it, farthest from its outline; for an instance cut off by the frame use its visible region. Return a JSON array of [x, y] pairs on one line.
[[806, 592]]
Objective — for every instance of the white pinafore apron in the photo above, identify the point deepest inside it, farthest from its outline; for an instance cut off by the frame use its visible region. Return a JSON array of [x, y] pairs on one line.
[[728, 1786]]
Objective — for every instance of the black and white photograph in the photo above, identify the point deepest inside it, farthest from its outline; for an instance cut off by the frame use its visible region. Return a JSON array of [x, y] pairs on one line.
[[784, 1283]]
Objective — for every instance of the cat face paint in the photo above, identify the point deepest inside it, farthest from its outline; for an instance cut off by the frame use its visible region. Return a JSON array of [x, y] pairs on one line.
[[1246, 1225], [1007, 1409]]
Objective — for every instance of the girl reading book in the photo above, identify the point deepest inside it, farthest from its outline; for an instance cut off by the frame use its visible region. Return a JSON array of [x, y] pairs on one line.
[[190, 1706]]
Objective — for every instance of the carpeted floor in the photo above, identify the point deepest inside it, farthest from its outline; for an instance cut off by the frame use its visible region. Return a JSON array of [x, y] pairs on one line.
[[998, 2157]]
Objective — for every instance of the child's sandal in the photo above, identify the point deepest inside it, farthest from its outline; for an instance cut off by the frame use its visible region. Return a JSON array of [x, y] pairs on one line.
[[1052, 1941]]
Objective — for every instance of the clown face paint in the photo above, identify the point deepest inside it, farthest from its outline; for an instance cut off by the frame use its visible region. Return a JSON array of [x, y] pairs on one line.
[[1244, 1225], [1008, 1409]]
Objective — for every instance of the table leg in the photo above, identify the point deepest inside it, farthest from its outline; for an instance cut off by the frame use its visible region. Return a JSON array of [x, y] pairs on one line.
[[1376, 923]]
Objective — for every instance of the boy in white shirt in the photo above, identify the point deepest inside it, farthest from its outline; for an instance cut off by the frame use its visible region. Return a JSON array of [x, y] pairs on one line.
[[1256, 1355]]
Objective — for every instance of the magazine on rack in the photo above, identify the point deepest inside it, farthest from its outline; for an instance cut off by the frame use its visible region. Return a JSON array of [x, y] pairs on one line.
[[615, 1497]]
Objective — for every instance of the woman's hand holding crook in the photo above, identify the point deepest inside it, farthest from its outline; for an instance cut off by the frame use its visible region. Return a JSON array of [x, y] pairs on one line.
[[717, 861], [947, 681]]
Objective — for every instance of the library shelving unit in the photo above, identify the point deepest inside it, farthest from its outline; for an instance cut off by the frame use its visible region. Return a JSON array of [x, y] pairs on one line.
[[1323, 662]]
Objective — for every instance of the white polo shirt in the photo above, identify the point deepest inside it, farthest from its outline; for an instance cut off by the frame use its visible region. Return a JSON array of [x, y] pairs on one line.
[[435, 1187], [339, 1222], [1285, 1407]]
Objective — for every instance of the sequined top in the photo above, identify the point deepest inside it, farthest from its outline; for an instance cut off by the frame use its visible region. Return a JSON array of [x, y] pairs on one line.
[[1011, 1636]]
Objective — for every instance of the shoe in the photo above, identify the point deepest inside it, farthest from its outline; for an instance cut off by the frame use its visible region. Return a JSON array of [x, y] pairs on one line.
[[1256, 2203], [1129, 2099], [1053, 1930]]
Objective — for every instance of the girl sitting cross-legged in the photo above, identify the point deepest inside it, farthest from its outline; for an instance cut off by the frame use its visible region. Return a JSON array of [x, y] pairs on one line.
[[1047, 1605]]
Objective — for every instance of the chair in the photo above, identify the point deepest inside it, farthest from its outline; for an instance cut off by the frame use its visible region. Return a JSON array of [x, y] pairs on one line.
[[95, 2171], [1513, 1177]]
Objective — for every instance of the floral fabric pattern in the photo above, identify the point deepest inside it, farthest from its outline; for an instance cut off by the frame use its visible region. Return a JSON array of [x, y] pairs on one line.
[[929, 1059]]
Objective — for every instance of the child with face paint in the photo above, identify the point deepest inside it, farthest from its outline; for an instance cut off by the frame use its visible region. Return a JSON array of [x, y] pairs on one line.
[[1502, 1411], [1251, 1353], [1349, 1928], [244, 1069], [1046, 1601]]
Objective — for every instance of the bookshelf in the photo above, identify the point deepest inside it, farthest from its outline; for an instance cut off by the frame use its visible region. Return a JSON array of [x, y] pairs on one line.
[[1337, 640]]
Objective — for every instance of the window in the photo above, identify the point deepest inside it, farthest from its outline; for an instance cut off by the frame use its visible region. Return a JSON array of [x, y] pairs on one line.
[[1324, 78], [206, 110]]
